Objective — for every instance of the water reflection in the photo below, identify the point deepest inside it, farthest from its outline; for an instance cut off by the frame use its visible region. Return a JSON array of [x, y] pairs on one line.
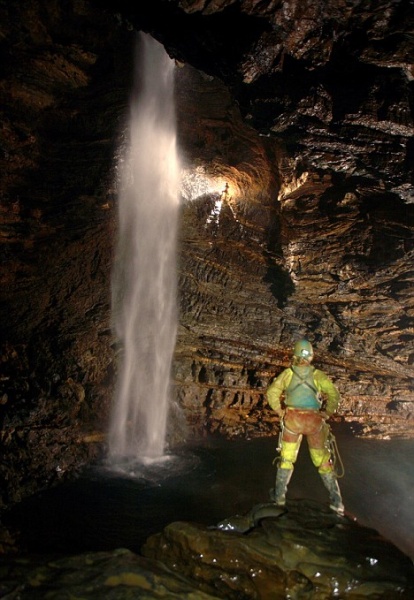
[[106, 509]]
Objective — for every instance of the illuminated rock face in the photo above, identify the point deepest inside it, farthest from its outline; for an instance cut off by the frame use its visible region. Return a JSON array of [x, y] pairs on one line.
[[320, 255], [312, 236]]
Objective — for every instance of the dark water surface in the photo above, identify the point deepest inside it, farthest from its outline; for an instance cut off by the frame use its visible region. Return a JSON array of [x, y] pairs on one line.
[[105, 508]]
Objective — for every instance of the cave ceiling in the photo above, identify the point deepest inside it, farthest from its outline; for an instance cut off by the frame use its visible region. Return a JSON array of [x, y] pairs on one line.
[[302, 114]]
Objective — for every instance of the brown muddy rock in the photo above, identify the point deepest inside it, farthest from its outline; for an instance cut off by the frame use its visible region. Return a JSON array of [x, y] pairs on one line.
[[305, 552], [113, 575]]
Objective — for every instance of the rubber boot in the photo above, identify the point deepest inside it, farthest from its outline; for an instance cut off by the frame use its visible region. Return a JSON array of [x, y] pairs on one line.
[[278, 495], [331, 483]]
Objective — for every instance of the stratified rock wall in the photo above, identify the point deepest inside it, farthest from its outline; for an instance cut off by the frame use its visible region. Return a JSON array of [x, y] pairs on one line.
[[60, 119], [300, 115], [320, 255]]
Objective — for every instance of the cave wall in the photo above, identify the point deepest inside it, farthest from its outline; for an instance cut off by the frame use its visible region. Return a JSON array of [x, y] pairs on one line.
[[327, 256], [330, 89], [306, 111], [66, 72]]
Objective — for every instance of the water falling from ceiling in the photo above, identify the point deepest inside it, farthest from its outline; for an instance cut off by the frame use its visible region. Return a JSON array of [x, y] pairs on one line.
[[144, 273]]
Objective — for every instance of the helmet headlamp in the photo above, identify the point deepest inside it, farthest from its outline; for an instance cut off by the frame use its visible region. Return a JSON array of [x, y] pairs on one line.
[[303, 349]]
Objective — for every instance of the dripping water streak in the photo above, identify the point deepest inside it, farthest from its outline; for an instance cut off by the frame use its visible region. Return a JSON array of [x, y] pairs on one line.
[[144, 274]]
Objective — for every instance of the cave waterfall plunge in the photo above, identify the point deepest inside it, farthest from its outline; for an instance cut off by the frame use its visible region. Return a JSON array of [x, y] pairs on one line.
[[144, 274]]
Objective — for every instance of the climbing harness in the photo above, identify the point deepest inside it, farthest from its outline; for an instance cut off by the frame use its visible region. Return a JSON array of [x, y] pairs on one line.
[[330, 444], [301, 391], [303, 381]]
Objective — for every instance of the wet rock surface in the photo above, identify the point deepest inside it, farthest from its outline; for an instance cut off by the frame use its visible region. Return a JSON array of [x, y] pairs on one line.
[[113, 575], [305, 111], [304, 552]]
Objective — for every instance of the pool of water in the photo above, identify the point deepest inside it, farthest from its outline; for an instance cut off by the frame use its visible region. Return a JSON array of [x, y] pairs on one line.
[[107, 507]]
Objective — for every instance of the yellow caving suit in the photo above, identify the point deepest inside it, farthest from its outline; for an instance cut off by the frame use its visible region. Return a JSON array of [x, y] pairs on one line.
[[309, 398]]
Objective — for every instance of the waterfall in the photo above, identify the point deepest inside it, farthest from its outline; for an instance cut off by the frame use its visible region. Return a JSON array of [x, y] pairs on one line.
[[144, 272]]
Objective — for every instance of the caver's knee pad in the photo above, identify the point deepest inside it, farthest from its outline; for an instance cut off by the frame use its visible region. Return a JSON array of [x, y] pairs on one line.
[[289, 454], [321, 458]]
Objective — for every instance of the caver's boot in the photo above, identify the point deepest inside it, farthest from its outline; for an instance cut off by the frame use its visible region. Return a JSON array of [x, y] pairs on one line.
[[278, 494], [331, 483]]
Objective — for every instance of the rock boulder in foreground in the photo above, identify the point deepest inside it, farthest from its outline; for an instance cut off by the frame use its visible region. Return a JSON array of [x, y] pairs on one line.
[[304, 553]]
